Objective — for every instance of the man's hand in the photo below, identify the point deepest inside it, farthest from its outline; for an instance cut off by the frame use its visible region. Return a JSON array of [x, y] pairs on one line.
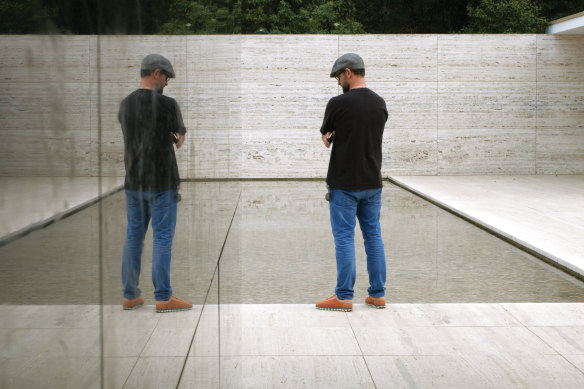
[[181, 139], [325, 139]]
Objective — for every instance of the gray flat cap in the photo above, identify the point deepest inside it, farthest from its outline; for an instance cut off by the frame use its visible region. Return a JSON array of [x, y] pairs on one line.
[[157, 61], [349, 60]]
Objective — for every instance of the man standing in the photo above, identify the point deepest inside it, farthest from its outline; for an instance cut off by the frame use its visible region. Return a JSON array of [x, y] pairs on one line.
[[151, 124], [353, 123]]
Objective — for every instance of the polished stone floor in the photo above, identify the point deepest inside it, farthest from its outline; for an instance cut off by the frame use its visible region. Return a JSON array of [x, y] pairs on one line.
[[494, 345], [465, 308]]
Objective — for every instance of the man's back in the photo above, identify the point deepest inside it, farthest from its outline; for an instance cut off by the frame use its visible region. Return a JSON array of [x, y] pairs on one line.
[[358, 118], [147, 119]]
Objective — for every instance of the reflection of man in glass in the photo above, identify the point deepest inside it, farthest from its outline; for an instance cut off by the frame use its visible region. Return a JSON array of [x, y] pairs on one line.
[[151, 124], [354, 123]]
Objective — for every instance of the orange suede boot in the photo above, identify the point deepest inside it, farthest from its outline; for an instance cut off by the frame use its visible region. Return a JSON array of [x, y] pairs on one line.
[[376, 302], [334, 304], [172, 305], [129, 304]]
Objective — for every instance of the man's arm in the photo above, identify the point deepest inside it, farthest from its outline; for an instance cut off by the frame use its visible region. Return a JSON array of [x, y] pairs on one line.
[[327, 138], [181, 132], [327, 129], [181, 140]]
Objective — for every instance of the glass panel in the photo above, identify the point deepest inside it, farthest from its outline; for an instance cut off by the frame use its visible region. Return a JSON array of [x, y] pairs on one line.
[[241, 246]]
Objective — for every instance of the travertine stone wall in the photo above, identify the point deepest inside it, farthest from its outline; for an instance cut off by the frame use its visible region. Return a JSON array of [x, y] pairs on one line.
[[458, 104], [560, 99], [45, 109]]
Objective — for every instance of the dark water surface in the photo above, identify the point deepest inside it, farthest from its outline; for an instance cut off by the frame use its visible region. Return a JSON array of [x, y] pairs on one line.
[[279, 250]]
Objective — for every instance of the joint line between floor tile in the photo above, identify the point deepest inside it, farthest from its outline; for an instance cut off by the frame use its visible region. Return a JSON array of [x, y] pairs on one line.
[[361, 350], [541, 339], [139, 355], [216, 272]]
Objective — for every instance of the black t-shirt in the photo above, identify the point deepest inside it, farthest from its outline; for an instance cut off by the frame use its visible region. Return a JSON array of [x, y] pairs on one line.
[[358, 118], [147, 118]]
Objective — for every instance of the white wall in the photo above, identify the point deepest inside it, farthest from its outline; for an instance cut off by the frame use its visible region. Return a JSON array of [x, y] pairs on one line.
[[253, 105]]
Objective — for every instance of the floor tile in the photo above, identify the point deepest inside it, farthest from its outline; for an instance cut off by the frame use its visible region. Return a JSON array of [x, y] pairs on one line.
[[565, 340], [527, 371], [64, 372], [450, 341], [155, 373], [276, 341], [280, 315], [577, 361], [445, 345], [71, 342], [49, 316], [544, 314], [207, 335], [273, 330], [475, 371], [288, 341], [320, 372], [51, 373], [422, 372], [201, 372], [169, 342], [125, 342], [438, 315], [116, 371]]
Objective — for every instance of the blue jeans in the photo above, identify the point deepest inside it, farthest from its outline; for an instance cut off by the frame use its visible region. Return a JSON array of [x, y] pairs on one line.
[[345, 205], [140, 208]]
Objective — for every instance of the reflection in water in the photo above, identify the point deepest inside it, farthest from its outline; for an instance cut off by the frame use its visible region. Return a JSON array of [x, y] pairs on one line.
[[60, 264], [279, 250]]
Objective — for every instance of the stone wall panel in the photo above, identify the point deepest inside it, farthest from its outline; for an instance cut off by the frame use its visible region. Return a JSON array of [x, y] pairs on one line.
[[253, 105], [560, 58], [394, 58], [487, 58]]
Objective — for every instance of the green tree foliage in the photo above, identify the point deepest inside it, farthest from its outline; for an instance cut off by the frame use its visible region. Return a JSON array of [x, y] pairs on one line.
[[82, 16], [262, 17], [412, 17], [300, 17], [23, 17], [505, 16], [203, 17], [556, 9], [281, 16]]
